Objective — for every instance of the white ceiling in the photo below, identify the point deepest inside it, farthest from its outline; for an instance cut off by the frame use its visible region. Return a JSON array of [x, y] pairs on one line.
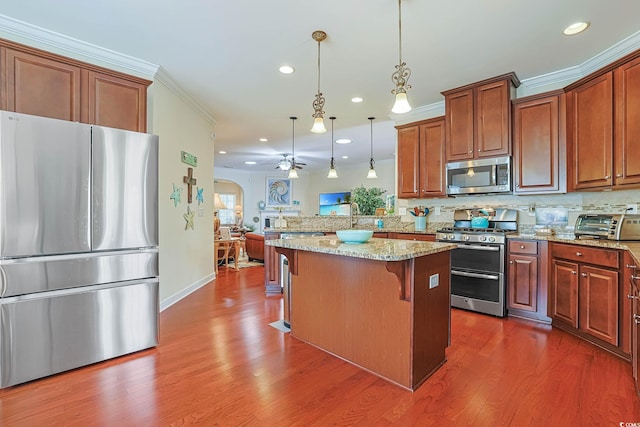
[[226, 54]]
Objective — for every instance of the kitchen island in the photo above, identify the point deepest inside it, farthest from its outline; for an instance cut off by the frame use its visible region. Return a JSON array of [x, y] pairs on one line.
[[383, 305]]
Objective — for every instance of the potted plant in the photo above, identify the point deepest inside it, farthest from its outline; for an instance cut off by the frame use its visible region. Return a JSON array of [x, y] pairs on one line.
[[368, 199]]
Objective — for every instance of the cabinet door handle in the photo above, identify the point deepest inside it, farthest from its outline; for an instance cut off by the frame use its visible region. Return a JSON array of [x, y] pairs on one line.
[[521, 246], [634, 277], [636, 319], [632, 297], [630, 266], [578, 253], [511, 262], [471, 152], [583, 274], [619, 175], [573, 272], [607, 176]]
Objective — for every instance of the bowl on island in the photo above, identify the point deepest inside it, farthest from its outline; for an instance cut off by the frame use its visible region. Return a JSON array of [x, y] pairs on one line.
[[354, 236]]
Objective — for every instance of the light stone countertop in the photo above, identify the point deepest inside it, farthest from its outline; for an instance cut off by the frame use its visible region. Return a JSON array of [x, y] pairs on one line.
[[632, 246], [374, 249]]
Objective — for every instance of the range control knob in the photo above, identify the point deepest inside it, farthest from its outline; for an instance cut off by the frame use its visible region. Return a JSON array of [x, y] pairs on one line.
[[492, 239], [452, 236], [483, 238], [467, 238]]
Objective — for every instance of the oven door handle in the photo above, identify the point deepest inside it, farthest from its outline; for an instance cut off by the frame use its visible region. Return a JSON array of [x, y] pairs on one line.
[[475, 275], [480, 248]]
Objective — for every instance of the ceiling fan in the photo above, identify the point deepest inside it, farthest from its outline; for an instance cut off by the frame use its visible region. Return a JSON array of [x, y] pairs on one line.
[[287, 163]]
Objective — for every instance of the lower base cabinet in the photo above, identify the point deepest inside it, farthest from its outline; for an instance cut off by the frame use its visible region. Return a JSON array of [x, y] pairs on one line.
[[527, 280], [632, 282], [586, 297]]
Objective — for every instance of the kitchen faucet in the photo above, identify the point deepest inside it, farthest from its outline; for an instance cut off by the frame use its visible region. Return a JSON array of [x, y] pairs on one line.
[[353, 206]]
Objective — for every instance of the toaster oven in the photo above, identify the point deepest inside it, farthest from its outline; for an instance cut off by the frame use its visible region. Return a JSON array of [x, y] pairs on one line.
[[608, 226]]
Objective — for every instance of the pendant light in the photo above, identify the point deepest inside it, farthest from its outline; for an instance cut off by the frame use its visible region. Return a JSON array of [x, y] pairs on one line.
[[332, 165], [372, 171], [318, 103], [293, 173], [401, 75]]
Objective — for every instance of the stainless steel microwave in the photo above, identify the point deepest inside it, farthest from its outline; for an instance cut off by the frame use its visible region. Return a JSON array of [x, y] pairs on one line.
[[479, 176]]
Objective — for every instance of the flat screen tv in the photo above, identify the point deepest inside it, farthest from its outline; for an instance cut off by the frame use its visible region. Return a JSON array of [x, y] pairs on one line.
[[335, 203]]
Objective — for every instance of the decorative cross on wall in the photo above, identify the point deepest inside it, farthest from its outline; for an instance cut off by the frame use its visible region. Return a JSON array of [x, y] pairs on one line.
[[190, 181]]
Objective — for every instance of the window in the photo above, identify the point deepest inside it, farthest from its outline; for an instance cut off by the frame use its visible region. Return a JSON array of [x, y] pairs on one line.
[[227, 216]]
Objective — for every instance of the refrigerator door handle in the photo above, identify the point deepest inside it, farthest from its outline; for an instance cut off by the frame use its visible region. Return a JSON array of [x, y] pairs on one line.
[[3, 282]]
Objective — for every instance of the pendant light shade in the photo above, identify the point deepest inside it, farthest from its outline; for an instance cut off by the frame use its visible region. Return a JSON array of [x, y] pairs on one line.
[[318, 102], [372, 163], [401, 76], [293, 173], [332, 165]]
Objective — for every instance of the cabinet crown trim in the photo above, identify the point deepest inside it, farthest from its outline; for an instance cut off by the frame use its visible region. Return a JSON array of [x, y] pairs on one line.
[[508, 76]]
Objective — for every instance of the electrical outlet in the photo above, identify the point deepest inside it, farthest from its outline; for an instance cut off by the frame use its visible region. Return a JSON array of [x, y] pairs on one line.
[[402, 211], [437, 211], [632, 208], [434, 280]]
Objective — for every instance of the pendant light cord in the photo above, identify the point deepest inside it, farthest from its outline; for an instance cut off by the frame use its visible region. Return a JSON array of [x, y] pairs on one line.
[[399, 32]]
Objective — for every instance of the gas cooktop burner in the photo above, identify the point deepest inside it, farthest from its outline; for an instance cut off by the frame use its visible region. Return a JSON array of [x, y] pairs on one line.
[[474, 230]]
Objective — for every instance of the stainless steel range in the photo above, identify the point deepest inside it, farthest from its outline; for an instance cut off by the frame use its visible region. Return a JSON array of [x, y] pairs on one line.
[[478, 264]]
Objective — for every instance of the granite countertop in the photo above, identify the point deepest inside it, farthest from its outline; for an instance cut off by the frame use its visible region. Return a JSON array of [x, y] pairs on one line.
[[429, 230], [632, 246], [374, 249]]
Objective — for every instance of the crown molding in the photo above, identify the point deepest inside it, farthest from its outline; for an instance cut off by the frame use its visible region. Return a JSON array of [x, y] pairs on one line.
[[162, 76], [571, 74], [22, 32]]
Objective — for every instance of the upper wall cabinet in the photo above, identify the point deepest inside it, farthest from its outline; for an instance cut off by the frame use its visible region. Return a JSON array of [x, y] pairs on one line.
[[602, 125], [421, 159], [40, 86], [478, 118], [36, 82], [539, 155]]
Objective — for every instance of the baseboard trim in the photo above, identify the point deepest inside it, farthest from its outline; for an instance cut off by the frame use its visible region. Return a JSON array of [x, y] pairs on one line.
[[168, 302]]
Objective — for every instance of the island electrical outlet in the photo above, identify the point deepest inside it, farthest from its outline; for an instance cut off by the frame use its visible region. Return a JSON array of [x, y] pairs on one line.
[[434, 280]]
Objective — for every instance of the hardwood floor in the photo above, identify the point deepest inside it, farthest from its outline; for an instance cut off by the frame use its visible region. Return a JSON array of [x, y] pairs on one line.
[[220, 363]]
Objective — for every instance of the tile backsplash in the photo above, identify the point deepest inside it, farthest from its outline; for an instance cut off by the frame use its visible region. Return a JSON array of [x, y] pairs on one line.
[[575, 203]]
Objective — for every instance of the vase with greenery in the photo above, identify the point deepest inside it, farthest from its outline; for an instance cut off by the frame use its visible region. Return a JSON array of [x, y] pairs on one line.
[[368, 199]]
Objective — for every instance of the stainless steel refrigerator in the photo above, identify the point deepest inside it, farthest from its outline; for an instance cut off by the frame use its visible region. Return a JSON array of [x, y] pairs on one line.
[[78, 245]]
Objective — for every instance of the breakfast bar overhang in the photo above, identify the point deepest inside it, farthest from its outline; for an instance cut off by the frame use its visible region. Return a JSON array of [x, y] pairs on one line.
[[383, 305]]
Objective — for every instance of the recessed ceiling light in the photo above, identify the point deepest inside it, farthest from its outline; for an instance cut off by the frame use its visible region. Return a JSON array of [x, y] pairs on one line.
[[576, 28], [345, 157], [356, 99], [249, 162], [343, 141], [263, 139], [286, 69], [222, 152]]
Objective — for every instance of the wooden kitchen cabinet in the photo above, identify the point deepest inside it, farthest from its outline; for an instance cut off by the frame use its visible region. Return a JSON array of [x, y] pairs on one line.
[[114, 102], [626, 81], [32, 84], [602, 127], [539, 148], [527, 279], [585, 293], [632, 278], [271, 266], [478, 119], [630, 306], [41, 83], [413, 236], [421, 159]]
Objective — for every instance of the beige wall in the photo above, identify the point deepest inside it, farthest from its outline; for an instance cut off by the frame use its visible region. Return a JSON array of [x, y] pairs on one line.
[[186, 256]]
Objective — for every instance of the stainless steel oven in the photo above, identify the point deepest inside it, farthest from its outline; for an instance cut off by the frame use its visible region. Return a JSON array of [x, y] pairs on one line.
[[478, 263], [477, 277]]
